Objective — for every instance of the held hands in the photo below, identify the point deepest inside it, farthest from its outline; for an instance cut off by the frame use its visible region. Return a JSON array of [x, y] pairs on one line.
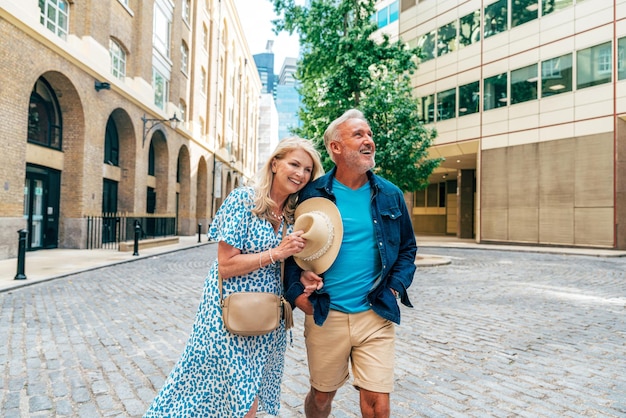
[[311, 283]]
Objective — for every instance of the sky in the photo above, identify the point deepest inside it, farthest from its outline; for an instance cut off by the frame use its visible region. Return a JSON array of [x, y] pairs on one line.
[[256, 19]]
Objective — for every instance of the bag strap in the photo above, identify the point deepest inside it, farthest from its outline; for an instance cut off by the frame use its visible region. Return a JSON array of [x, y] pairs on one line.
[[287, 310]]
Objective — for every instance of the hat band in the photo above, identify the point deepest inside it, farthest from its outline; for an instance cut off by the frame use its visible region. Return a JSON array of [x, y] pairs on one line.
[[329, 239]]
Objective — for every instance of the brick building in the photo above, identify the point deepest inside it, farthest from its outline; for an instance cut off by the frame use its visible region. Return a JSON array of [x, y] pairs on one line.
[[88, 94]]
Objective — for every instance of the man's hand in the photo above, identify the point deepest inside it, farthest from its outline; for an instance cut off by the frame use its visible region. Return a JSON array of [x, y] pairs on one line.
[[311, 282], [304, 304]]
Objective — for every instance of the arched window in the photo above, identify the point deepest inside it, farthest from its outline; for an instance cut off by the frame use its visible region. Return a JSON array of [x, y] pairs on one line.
[[111, 144], [44, 116], [118, 59], [184, 58]]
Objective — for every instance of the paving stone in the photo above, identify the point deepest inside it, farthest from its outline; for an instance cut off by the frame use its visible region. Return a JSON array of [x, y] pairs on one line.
[[493, 333]]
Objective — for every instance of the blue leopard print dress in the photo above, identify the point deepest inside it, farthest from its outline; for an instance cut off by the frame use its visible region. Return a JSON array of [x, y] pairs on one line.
[[220, 374]]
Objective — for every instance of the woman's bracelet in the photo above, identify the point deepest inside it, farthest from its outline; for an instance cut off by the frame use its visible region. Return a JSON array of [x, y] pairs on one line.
[[260, 259], [271, 258]]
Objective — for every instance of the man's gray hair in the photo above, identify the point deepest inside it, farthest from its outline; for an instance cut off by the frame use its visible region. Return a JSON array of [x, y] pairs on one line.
[[332, 133]]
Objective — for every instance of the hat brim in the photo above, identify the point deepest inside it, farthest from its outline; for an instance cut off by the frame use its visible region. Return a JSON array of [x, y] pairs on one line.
[[322, 263]]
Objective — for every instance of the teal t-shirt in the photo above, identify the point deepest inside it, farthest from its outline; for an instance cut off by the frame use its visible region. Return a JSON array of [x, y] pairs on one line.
[[358, 264]]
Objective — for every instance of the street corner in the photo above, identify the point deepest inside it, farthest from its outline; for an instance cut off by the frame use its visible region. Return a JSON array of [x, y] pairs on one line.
[[429, 260]]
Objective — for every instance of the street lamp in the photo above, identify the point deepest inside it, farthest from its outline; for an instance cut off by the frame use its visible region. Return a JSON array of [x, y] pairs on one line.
[[150, 124]]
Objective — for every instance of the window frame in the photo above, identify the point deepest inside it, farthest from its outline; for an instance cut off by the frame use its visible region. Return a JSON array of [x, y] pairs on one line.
[[59, 22], [118, 59]]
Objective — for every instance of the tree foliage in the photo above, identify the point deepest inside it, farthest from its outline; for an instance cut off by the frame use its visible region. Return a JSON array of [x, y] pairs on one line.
[[343, 67]]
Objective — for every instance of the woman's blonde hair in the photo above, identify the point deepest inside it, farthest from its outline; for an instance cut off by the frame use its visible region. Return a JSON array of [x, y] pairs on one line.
[[263, 203]]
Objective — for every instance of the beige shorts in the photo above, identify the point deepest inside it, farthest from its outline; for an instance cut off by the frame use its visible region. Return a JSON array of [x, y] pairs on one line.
[[366, 339]]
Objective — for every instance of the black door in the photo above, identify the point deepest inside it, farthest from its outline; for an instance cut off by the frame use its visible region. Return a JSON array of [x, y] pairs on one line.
[[41, 207]]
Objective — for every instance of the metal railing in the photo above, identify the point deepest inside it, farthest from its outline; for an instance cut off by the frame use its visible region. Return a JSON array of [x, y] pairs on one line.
[[109, 229]]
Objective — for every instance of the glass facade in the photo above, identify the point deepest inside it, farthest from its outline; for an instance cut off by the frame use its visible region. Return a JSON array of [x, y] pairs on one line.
[[495, 92], [524, 84], [556, 75], [594, 65]]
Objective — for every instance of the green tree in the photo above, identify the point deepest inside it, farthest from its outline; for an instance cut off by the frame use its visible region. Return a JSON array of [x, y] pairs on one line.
[[343, 67]]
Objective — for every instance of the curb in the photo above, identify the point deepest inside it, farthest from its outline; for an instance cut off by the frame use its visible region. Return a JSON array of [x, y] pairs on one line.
[[427, 260]]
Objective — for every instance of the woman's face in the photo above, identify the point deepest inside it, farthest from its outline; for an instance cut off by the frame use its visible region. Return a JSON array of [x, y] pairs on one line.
[[293, 172]]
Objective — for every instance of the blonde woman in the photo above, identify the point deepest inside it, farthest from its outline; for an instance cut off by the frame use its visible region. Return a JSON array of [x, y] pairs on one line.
[[221, 374]]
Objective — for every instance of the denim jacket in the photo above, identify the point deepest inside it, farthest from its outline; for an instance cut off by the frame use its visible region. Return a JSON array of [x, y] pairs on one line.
[[396, 245]]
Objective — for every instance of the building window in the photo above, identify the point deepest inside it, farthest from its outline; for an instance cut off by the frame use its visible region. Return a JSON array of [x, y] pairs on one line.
[[182, 109], [496, 18], [187, 10], [554, 5], [118, 59], [429, 197], [426, 109], [184, 58], [161, 30], [161, 88], [621, 59], [593, 66], [469, 30], [203, 80], [202, 126], [446, 104], [205, 38], [111, 144], [55, 16], [495, 92], [523, 11], [44, 116], [427, 46], [446, 39], [393, 12], [524, 83], [383, 18], [151, 161], [469, 98], [556, 75]]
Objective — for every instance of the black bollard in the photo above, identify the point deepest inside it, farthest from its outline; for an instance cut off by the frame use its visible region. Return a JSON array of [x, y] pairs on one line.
[[199, 232], [137, 232], [21, 255]]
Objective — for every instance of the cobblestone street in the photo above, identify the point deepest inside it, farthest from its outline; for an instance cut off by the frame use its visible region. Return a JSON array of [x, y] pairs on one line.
[[493, 334]]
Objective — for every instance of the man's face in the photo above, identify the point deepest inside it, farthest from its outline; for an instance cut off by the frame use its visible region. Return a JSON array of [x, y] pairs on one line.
[[356, 148]]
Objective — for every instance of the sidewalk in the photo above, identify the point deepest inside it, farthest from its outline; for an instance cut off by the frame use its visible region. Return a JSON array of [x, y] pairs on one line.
[[50, 264], [45, 265]]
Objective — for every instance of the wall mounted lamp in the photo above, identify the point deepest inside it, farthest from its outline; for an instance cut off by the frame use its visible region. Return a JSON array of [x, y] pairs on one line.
[[150, 124], [102, 85]]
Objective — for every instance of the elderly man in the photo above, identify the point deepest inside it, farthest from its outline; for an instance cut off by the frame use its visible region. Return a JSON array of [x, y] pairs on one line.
[[351, 308]]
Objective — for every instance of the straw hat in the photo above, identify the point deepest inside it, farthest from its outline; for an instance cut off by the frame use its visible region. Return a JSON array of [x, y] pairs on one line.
[[320, 220]]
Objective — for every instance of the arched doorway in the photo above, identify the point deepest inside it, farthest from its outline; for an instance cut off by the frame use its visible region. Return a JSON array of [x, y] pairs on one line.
[[42, 185]]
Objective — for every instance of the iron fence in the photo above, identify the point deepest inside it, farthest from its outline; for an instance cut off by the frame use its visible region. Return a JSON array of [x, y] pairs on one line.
[[109, 229]]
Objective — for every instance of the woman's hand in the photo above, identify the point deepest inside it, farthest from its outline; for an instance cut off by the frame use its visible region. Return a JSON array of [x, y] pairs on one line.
[[291, 244]]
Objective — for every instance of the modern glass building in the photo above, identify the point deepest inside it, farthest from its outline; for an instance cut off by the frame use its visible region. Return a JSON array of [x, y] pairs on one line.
[[529, 101], [287, 99]]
